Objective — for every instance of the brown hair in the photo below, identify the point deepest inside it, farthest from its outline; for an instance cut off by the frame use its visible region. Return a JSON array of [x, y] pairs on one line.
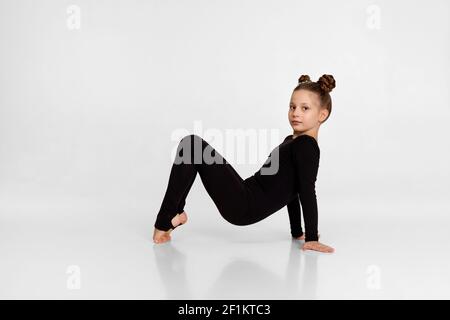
[[322, 87]]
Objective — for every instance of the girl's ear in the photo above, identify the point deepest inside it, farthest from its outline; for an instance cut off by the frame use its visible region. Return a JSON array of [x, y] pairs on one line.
[[323, 114]]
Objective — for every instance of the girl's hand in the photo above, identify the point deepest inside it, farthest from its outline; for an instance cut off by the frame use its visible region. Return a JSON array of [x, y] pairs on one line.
[[317, 246]]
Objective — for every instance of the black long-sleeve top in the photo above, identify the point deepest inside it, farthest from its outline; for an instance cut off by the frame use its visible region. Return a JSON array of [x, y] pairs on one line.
[[292, 184]]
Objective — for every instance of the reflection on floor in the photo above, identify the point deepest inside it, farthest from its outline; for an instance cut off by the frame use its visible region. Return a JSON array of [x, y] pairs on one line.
[[116, 259]]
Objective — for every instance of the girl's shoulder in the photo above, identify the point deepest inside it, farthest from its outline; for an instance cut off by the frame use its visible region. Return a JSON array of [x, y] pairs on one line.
[[305, 141]]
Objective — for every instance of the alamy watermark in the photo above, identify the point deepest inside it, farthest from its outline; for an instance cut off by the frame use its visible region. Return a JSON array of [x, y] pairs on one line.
[[249, 146]]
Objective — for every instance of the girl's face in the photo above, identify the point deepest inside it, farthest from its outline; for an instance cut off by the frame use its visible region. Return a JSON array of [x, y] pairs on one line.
[[304, 111]]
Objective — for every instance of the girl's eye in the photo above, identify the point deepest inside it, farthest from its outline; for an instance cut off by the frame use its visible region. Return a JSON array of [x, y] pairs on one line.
[[292, 107]]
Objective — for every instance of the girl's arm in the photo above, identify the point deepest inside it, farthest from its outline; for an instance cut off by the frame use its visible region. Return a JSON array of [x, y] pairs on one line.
[[306, 159], [295, 215]]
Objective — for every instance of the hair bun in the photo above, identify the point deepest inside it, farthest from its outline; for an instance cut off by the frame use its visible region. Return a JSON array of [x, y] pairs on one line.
[[327, 82], [303, 78]]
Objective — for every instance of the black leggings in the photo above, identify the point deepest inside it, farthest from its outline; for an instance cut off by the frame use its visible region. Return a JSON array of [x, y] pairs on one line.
[[223, 184]]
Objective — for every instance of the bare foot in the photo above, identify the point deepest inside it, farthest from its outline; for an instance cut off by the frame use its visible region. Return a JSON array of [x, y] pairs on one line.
[[180, 218], [302, 237], [317, 246], [161, 236]]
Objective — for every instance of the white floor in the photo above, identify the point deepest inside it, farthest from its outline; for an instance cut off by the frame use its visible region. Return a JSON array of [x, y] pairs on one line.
[[115, 258]]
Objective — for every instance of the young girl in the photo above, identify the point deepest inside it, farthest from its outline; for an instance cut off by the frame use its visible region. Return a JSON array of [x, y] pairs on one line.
[[243, 202]]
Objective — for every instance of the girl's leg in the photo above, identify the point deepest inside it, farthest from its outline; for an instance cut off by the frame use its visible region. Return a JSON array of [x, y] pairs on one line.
[[221, 181]]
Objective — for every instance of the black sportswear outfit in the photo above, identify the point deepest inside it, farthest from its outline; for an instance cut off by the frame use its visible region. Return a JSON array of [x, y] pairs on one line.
[[244, 202]]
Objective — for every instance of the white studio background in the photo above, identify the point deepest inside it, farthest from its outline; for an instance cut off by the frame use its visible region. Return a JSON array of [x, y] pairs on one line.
[[92, 91]]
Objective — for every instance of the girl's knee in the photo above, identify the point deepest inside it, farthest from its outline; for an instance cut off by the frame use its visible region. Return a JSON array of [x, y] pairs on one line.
[[191, 137]]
